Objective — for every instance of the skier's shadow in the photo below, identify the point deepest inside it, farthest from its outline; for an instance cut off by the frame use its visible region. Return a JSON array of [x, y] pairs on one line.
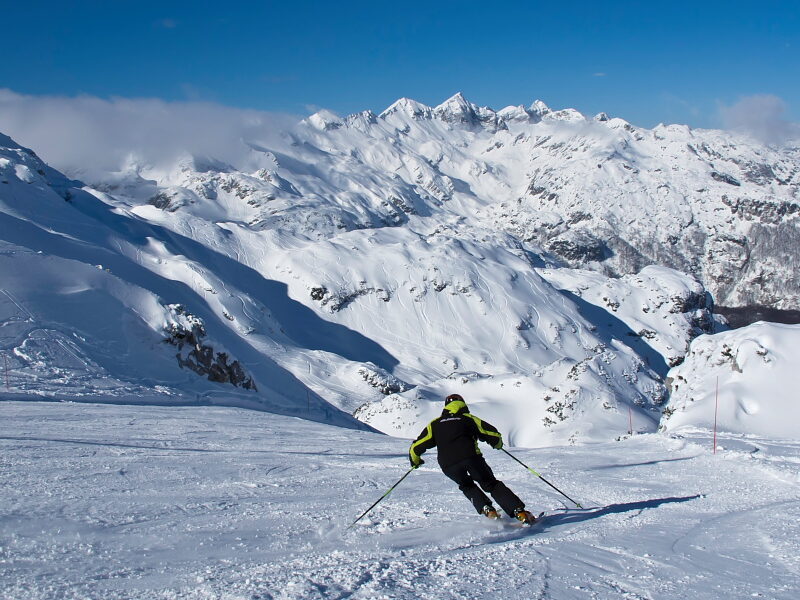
[[641, 464], [576, 516]]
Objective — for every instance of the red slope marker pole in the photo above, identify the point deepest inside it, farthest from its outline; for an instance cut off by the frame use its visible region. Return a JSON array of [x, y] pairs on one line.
[[308, 392], [716, 408]]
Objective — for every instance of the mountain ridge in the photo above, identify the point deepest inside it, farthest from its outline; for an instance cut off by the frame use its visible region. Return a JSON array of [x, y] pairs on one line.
[[732, 202]]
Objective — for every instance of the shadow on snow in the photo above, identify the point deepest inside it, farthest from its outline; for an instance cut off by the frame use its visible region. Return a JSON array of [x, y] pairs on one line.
[[640, 464], [300, 324], [610, 328], [577, 516]]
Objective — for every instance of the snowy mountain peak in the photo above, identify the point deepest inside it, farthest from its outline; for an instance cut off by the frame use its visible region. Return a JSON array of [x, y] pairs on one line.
[[618, 123], [324, 120], [7, 142], [22, 164], [567, 114], [455, 102], [539, 108], [361, 120], [518, 114], [457, 109], [408, 107], [662, 131]]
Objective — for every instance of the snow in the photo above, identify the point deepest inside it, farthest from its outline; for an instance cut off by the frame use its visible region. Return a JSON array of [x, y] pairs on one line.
[[661, 307], [756, 370], [325, 120], [305, 317], [357, 270], [170, 502]]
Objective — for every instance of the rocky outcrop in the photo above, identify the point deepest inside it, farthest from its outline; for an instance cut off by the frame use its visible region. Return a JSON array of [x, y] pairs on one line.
[[188, 333]]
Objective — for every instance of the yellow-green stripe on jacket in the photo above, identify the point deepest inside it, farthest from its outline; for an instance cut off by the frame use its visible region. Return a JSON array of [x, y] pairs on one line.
[[423, 442]]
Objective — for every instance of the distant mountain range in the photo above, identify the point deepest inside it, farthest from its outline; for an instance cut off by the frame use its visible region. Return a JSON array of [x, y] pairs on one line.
[[550, 266], [595, 193]]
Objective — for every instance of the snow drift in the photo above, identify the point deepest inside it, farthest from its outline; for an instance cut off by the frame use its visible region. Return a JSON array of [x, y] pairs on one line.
[[756, 367]]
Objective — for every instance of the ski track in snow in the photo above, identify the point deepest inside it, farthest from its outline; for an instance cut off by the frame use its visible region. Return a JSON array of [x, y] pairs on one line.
[[106, 501]]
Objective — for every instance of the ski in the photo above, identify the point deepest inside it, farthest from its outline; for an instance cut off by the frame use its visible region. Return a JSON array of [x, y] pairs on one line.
[[536, 520]]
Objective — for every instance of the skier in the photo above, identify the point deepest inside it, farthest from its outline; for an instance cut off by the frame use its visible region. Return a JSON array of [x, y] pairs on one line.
[[456, 433]]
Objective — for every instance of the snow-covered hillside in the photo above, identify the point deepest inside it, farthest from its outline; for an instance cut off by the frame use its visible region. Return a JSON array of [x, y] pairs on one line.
[[129, 502], [380, 322], [93, 305], [369, 265], [343, 277], [756, 369]]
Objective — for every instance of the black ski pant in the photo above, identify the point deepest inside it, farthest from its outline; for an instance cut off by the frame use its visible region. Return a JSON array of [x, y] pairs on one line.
[[474, 469]]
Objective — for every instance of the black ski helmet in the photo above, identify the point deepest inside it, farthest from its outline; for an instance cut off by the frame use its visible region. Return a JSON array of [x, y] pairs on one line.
[[453, 398]]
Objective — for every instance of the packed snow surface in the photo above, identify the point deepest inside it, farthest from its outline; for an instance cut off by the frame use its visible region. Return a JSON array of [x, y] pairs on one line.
[[108, 501]]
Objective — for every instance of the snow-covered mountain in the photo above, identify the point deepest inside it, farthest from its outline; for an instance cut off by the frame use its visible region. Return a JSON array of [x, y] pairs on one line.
[[352, 273], [377, 262], [746, 380], [381, 322], [597, 193], [93, 306]]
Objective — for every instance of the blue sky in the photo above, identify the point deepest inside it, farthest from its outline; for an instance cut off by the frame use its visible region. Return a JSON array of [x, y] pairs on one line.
[[648, 62]]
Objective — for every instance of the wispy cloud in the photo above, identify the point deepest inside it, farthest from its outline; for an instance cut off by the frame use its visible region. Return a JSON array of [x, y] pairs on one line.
[[762, 117], [599, 74], [166, 23], [76, 133]]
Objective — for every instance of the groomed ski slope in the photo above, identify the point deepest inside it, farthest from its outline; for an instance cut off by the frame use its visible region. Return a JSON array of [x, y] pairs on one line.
[[105, 501]]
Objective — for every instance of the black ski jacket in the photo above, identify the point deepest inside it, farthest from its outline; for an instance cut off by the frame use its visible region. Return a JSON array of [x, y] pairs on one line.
[[456, 433]]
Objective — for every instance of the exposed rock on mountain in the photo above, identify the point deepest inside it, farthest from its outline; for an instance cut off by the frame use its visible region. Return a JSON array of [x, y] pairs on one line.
[[187, 333]]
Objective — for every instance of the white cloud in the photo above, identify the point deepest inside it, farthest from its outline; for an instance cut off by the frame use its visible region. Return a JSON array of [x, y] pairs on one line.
[[81, 133], [760, 116]]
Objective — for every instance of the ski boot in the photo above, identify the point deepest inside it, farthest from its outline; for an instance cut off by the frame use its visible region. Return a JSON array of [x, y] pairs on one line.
[[490, 512], [525, 517]]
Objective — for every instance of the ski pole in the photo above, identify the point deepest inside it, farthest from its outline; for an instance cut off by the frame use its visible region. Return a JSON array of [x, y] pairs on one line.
[[389, 491], [542, 478]]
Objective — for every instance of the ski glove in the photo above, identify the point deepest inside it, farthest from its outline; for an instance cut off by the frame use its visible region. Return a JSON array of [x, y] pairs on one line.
[[499, 444], [414, 465]]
